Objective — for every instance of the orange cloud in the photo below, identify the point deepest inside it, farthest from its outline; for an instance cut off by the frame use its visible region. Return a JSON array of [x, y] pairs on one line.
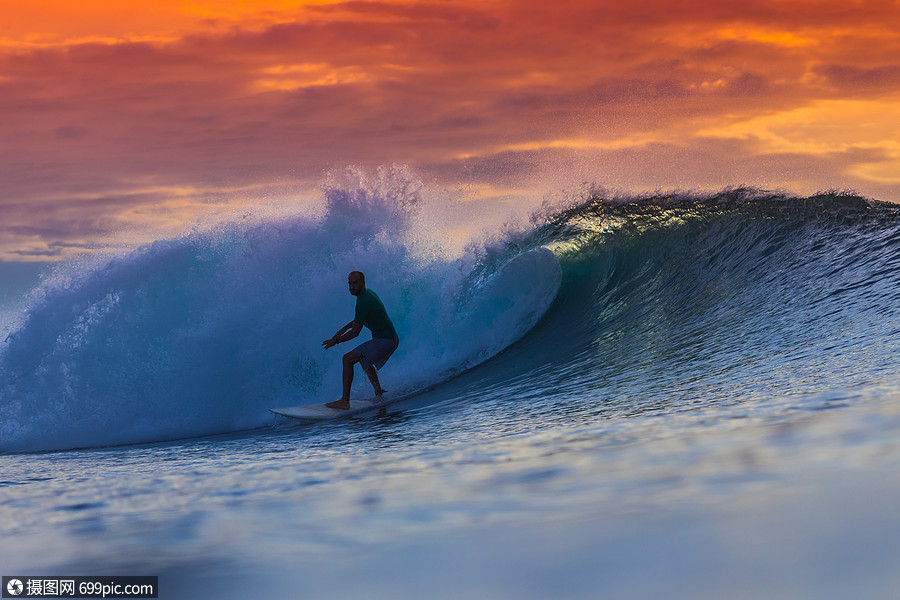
[[144, 114]]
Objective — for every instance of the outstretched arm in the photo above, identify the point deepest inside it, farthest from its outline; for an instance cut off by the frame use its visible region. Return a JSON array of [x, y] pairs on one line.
[[347, 332]]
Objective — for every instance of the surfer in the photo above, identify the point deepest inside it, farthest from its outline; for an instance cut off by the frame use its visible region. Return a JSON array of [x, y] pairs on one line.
[[372, 354]]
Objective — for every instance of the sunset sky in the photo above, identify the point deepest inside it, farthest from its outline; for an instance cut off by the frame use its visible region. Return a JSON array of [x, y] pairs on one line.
[[126, 121]]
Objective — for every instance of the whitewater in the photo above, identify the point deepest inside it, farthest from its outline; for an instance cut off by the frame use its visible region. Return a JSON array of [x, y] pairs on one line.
[[670, 395]]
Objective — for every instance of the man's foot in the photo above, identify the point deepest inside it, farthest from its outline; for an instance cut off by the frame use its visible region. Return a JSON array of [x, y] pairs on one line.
[[340, 404], [379, 397]]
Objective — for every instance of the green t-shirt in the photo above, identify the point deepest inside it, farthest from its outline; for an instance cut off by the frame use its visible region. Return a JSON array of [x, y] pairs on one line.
[[371, 313]]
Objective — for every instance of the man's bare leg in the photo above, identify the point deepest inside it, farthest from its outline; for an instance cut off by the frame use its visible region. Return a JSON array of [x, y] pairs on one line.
[[350, 360], [376, 385]]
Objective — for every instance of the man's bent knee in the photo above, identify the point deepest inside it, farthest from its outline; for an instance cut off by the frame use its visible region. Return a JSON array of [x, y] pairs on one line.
[[351, 358]]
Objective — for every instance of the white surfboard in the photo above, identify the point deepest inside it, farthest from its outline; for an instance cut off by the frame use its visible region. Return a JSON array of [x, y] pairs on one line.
[[320, 412]]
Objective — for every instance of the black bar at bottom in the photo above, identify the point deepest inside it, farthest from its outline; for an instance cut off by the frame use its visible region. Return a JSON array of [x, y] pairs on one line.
[[58, 586]]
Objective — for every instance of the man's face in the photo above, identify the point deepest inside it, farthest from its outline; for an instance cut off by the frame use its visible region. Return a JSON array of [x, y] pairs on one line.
[[354, 282]]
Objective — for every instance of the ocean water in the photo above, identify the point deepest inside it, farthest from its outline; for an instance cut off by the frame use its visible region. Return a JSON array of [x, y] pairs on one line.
[[649, 397]]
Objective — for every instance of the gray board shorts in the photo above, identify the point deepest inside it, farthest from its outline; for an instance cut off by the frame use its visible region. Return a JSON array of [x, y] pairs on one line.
[[376, 351]]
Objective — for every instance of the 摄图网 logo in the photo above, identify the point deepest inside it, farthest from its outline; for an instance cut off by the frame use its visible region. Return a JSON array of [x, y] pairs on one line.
[[14, 587]]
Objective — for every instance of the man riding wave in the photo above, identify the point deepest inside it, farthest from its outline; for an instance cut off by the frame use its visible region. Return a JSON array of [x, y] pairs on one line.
[[370, 312]]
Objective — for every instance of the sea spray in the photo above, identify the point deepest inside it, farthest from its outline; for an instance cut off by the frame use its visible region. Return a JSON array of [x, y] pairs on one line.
[[200, 334]]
